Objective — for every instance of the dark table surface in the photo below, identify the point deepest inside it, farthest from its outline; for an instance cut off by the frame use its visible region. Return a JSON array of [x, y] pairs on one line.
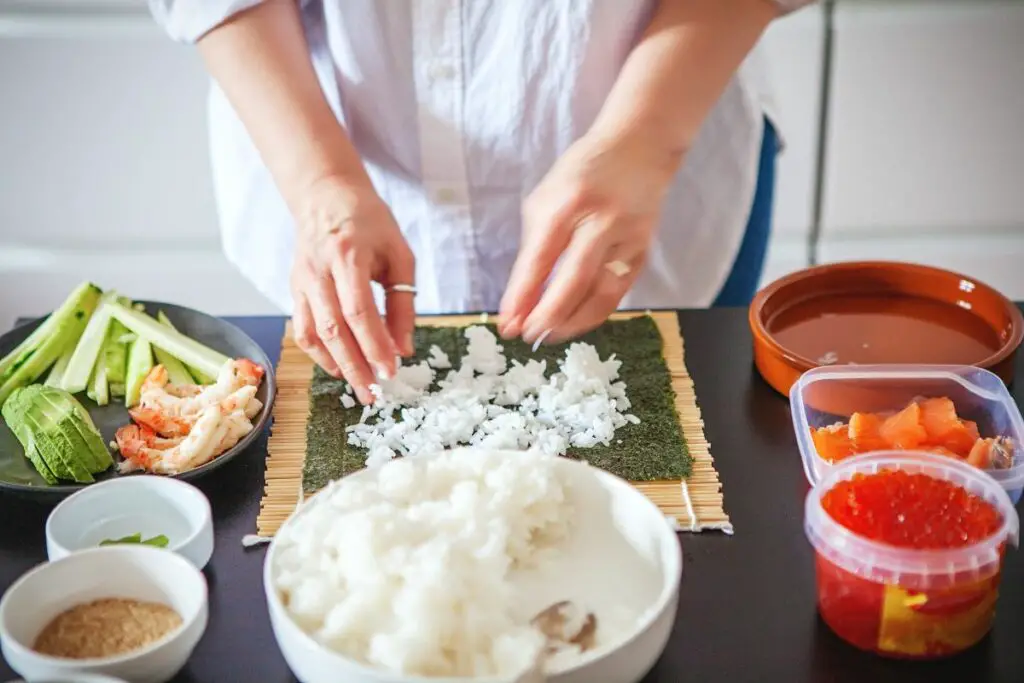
[[747, 608]]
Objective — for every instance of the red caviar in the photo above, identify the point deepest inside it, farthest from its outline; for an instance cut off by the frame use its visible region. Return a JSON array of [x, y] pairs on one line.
[[916, 617], [911, 510]]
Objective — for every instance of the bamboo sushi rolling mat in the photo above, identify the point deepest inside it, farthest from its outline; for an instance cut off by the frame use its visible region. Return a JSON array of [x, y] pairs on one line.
[[696, 503]]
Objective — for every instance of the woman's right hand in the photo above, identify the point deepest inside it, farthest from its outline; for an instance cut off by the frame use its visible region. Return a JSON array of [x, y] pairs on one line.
[[347, 238]]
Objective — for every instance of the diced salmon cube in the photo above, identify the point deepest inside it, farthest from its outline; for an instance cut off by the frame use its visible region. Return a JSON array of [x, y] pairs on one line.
[[939, 418], [832, 442], [945, 428], [961, 439], [981, 454], [864, 433], [904, 430]]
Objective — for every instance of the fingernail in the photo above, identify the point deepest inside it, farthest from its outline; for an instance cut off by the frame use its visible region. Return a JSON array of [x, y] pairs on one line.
[[540, 339], [511, 327], [364, 395], [382, 371]]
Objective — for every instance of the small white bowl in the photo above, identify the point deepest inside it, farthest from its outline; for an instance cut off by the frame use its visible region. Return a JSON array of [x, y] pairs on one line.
[[134, 572], [622, 551], [140, 504]]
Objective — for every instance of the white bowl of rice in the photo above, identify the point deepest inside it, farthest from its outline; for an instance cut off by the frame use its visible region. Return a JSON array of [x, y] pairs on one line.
[[432, 568]]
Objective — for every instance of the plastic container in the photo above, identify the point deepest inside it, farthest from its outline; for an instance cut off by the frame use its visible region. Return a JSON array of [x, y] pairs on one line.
[[824, 396], [907, 603]]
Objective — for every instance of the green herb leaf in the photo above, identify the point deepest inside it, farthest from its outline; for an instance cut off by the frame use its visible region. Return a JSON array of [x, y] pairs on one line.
[[159, 541], [134, 538]]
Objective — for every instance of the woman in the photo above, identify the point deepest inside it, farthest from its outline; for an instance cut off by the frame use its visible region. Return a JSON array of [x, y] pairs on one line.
[[457, 150]]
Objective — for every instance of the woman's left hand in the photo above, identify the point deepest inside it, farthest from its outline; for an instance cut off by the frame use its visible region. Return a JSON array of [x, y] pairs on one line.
[[595, 214]]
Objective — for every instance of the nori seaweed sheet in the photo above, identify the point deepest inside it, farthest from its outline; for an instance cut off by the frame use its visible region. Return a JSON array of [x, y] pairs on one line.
[[652, 450]]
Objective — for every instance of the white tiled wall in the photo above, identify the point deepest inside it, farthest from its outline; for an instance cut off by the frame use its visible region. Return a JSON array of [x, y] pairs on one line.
[[103, 168]]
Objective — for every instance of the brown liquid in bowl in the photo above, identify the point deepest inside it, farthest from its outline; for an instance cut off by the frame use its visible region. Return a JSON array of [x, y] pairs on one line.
[[865, 329]]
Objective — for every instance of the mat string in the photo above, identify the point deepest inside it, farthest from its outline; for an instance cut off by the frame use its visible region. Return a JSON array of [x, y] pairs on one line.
[[694, 526], [253, 540]]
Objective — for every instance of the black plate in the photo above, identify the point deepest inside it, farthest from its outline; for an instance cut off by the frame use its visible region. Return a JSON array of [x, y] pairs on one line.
[[17, 474]]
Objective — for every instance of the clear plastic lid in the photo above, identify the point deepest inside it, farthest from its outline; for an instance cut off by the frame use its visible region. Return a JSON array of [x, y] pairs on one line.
[[827, 395], [910, 568]]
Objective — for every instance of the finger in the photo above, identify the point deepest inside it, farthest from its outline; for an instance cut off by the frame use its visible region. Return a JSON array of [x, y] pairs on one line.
[[547, 234], [602, 301], [355, 294], [306, 338], [336, 337], [573, 280], [400, 306]]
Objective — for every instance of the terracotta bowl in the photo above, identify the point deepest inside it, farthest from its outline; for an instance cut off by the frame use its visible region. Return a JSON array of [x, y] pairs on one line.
[[877, 312]]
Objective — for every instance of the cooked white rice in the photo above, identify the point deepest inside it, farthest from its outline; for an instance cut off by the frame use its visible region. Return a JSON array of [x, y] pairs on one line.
[[406, 567], [491, 403]]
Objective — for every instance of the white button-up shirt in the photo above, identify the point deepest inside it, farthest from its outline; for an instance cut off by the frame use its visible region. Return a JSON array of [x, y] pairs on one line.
[[458, 109]]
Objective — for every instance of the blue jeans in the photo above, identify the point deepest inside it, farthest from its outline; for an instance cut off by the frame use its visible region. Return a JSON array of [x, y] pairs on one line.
[[741, 285]]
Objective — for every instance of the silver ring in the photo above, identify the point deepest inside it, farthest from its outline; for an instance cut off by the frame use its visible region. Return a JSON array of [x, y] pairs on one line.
[[407, 289], [618, 268]]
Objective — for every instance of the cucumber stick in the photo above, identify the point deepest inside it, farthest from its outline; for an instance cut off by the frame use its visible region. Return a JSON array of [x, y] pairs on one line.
[[176, 372], [80, 303], [197, 375], [99, 389], [57, 371], [140, 362], [188, 351], [66, 329], [90, 345], [115, 351]]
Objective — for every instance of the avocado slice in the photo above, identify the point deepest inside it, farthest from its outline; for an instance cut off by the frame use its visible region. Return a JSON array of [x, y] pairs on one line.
[[58, 445], [24, 436], [90, 449], [57, 428], [37, 461], [13, 413]]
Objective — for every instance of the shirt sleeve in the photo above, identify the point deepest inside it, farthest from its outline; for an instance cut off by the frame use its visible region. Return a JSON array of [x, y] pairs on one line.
[[787, 6], [189, 20]]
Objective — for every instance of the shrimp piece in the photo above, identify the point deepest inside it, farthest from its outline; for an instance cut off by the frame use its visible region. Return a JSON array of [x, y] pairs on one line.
[[248, 372], [172, 410], [171, 425], [236, 427], [156, 394], [184, 390], [234, 375], [137, 443], [253, 408], [239, 400], [162, 423], [173, 456]]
